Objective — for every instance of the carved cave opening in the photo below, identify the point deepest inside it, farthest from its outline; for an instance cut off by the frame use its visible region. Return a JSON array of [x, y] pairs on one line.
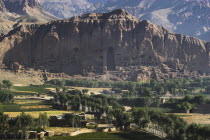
[[110, 59]]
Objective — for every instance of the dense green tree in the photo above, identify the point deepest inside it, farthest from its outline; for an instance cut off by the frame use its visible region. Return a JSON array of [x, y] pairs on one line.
[[157, 101], [147, 101], [159, 90], [84, 91], [193, 132], [207, 89], [4, 126], [25, 122], [153, 83], [72, 120], [65, 89], [56, 98], [204, 132], [8, 84], [43, 121], [61, 83], [6, 97], [187, 98], [119, 114], [57, 90], [199, 99], [185, 106], [141, 118], [63, 98]]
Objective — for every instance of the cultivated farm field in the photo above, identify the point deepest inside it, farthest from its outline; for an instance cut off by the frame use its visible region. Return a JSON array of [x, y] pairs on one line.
[[26, 102], [203, 119], [31, 106], [35, 107]]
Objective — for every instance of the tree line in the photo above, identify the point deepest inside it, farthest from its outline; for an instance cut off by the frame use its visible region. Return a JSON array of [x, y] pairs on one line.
[[168, 125], [141, 89], [94, 103], [6, 97], [18, 127], [6, 85], [174, 127]]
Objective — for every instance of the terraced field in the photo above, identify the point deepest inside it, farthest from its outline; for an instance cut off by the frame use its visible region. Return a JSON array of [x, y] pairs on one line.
[[35, 107], [41, 89]]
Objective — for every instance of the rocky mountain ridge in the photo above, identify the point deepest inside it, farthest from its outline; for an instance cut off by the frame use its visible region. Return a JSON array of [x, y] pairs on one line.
[[20, 6], [175, 15], [16, 12], [112, 45], [24, 11]]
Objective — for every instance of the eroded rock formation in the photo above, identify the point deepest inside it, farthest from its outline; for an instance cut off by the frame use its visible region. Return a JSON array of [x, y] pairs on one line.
[[113, 43]]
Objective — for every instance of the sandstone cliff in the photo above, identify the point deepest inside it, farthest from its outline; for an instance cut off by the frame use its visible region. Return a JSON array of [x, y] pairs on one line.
[[113, 43]]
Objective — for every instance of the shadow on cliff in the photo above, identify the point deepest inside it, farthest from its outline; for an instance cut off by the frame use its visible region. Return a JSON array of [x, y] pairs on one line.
[[23, 50], [24, 43], [12, 32]]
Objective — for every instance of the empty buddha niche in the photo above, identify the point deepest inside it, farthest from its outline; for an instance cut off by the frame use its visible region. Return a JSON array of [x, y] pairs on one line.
[[110, 59]]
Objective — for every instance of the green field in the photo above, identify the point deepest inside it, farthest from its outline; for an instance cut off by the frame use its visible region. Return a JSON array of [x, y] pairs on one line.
[[28, 105], [41, 89], [108, 136], [9, 108], [16, 106], [15, 93], [163, 110]]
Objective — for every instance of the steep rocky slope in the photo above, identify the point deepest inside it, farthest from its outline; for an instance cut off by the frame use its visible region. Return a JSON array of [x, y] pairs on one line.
[[67, 8], [20, 6], [17, 12], [24, 11], [70, 8], [189, 17], [114, 43], [2, 6]]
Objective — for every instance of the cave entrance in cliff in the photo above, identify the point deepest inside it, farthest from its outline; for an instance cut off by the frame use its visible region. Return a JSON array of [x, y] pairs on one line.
[[110, 59]]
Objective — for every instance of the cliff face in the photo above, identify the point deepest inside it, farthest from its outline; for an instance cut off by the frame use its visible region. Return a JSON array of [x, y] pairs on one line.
[[113, 42]]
